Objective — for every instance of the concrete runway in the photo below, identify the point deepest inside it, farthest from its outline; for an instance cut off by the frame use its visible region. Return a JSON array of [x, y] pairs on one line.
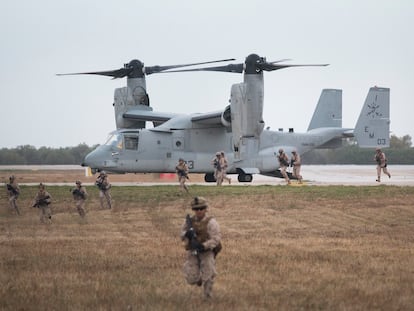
[[319, 175]]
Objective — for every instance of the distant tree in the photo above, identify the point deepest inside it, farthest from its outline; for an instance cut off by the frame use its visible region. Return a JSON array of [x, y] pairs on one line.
[[400, 143], [44, 155]]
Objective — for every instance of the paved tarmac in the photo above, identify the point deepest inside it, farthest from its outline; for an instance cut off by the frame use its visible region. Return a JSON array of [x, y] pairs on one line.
[[320, 175]]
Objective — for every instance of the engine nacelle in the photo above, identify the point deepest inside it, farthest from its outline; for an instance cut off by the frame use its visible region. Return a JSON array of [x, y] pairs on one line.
[[226, 116], [125, 100]]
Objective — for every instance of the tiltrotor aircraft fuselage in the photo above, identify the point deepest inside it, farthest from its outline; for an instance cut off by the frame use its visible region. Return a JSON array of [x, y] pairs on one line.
[[238, 129]]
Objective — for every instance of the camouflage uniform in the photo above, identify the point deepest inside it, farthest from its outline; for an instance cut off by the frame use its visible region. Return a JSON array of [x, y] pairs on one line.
[[182, 174], [42, 202], [296, 163], [283, 163], [224, 165], [218, 169], [80, 195], [13, 191], [199, 268], [104, 186], [381, 160]]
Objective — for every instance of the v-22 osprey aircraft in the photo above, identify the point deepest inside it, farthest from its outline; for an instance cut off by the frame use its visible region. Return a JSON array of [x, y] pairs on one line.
[[238, 129]]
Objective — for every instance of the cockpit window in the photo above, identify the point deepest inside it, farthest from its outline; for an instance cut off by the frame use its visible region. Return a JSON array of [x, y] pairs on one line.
[[114, 140], [131, 142]]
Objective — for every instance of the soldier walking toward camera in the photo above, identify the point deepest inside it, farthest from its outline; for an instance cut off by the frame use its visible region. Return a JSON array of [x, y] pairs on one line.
[[218, 169], [224, 165], [296, 163], [283, 164], [381, 160], [182, 173], [80, 195], [202, 238], [13, 191], [42, 202], [104, 189]]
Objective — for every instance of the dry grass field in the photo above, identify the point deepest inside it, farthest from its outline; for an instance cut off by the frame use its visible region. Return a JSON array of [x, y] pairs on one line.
[[285, 248]]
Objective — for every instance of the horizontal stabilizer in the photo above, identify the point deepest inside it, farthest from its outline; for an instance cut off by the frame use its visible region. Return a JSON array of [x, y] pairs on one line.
[[328, 112], [373, 126]]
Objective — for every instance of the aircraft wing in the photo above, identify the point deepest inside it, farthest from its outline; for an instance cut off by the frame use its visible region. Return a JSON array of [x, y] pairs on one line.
[[148, 115], [209, 118]]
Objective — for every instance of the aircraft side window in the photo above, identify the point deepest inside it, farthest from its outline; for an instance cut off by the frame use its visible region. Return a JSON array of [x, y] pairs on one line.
[[131, 142]]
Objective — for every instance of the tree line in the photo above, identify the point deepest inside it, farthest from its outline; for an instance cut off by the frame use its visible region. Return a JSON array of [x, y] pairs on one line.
[[399, 152], [30, 155]]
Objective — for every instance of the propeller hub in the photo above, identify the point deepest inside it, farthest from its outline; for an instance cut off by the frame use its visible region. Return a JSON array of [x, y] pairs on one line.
[[251, 64], [137, 68]]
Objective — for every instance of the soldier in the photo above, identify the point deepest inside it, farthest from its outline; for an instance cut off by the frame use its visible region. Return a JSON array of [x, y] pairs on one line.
[[182, 174], [80, 195], [381, 160], [42, 202], [224, 165], [296, 163], [284, 164], [218, 170], [13, 191], [104, 189], [202, 238]]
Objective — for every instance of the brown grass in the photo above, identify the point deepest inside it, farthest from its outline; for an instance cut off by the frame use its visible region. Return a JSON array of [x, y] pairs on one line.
[[299, 248]]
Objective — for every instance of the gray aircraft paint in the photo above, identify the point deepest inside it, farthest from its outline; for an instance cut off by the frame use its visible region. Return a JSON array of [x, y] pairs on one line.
[[197, 137]]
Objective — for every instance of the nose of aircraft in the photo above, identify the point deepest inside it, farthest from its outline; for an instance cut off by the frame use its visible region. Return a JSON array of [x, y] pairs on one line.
[[93, 159]]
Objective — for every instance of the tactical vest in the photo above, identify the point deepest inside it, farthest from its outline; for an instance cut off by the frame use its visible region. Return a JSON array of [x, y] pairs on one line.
[[200, 228]]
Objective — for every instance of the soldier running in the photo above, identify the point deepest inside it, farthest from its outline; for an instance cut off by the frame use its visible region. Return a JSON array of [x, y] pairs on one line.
[[381, 160], [80, 195], [296, 163], [283, 164], [182, 173], [42, 202], [218, 169], [203, 242], [13, 192], [104, 189], [224, 165]]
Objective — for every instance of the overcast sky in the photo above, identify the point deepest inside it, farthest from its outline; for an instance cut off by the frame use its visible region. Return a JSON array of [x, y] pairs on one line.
[[366, 43]]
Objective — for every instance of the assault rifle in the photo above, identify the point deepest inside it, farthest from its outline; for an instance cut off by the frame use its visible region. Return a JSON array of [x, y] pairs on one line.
[[78, 193], [12, 189], [182, 173], [195, 246], [42, 201], [100, 185]]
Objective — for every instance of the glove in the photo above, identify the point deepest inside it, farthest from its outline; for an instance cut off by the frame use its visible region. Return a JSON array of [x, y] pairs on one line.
[[189, 234], [197, 246]]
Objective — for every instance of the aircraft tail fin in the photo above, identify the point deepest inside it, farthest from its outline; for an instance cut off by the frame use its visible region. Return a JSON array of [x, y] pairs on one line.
[[373, 126], [328, 112]]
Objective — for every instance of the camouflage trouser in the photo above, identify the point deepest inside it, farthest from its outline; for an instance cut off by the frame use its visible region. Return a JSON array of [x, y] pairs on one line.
[[218, 175], [284, 174], [183, 186], [45, 213], [296, 172], [200, 269], [384, 169], [107, 195], [80, 206], [13, 204]]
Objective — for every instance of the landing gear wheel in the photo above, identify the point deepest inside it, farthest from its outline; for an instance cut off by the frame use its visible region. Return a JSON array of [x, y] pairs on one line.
[[245, 178], [209, 177]]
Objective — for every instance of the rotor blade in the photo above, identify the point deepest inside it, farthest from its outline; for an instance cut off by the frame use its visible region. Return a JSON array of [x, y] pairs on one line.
[[157, 69], [273, 66], [118, 73], [236, 68], [280, 60]]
